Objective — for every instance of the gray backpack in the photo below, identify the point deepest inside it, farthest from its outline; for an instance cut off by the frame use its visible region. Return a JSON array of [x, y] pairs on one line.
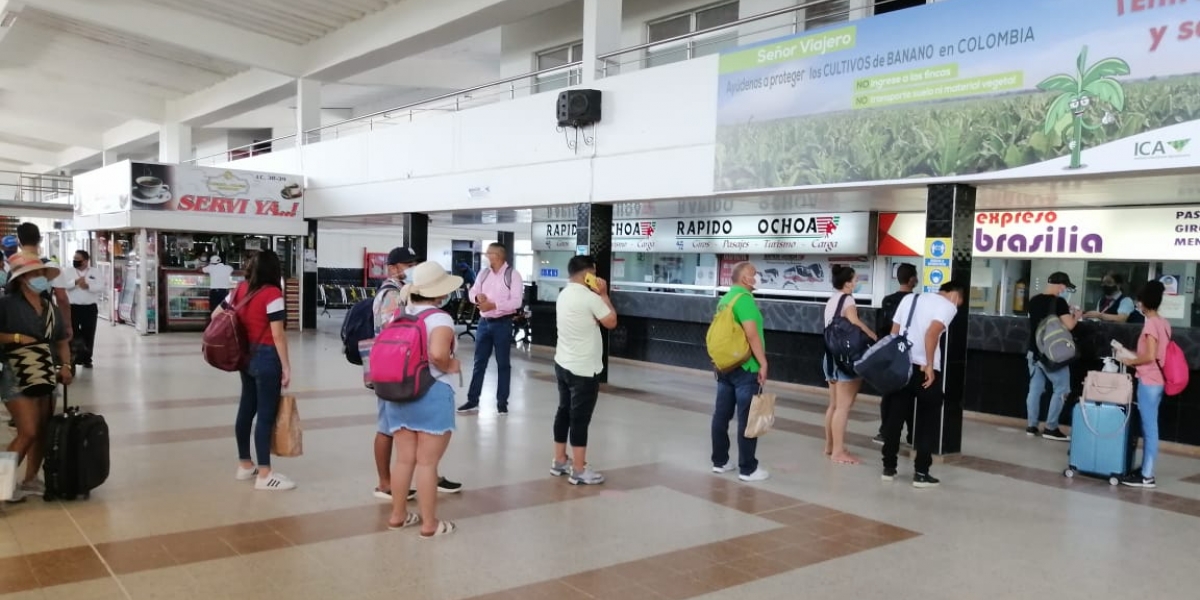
[[1055, 344]]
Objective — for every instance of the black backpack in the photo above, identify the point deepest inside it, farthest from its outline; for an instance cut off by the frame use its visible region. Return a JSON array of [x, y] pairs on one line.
[[845, 343], [359, 325]]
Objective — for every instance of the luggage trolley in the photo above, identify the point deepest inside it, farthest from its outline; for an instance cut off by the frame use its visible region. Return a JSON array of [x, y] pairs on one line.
[[1101, 440]]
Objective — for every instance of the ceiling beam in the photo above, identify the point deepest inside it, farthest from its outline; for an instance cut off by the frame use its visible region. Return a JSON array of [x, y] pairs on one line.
[[47, 131], [189, 32], [239, 94], [409, 28], [40, 89], [27, 155]]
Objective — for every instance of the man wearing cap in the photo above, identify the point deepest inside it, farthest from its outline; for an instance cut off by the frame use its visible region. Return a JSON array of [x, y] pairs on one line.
[[83, 289], [220, 278], [1052, 302], [387, 303]]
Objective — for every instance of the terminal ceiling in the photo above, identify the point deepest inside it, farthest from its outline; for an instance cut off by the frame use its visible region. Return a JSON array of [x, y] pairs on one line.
[[78, 76]]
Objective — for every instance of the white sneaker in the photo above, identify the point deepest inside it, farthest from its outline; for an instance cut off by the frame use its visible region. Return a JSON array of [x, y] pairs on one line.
[[275, 482], [244, 474], [760, 474], [723, 469]]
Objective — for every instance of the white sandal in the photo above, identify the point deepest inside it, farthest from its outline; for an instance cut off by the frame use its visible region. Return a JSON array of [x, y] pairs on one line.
[[409, 520], [443, 528]]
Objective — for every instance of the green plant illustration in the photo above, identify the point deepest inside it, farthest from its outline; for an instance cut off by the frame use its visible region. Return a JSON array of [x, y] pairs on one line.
[[1094, 89], [933, 139]]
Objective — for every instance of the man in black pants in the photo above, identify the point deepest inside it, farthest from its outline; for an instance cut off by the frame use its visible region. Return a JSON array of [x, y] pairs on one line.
[[83, 290], [906, 276], [932, 315], [582, 308]]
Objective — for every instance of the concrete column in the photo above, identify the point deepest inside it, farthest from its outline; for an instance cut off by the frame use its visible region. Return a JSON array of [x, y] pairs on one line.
[[601, 34], [415, 234], [174, 143], [308, 278], [308, 110], [108, 157], [593, 232], [766, 29], [950, 217]]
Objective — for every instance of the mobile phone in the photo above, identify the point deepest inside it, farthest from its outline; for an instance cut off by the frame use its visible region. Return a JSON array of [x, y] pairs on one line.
[[590, 281]]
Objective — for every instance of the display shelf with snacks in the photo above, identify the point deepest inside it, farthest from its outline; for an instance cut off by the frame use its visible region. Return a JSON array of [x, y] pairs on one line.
[[187, 304]]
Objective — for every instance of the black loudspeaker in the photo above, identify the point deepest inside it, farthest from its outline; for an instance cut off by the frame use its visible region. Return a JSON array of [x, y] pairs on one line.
[[578, 108]]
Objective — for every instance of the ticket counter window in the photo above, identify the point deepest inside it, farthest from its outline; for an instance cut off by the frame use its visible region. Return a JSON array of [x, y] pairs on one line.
[[664, 273]]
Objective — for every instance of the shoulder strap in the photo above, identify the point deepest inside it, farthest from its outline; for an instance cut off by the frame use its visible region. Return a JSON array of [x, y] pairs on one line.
[[840, 306], [911, 311]]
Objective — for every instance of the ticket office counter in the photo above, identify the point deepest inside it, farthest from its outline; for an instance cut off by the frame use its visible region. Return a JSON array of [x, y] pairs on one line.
[[665, 319]]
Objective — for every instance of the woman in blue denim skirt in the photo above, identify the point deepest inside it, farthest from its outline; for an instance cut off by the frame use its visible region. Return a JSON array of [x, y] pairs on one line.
[[421, 429]]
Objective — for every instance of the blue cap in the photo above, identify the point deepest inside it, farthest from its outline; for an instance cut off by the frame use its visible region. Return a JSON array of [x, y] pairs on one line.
[[10, 241]]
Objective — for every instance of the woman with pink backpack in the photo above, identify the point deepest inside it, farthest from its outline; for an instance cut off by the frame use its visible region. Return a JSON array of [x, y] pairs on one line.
[[412, 364], [1157, 371]]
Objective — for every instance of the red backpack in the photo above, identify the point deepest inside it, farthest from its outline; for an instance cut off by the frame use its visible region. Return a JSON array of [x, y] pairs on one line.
[[224, 343], [399, 359]]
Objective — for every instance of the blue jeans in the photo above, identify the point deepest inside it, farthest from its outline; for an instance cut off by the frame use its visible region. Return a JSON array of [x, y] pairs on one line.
[[262, 383], [735, 390], [492, 336], [1149, 397], [1060, 382]]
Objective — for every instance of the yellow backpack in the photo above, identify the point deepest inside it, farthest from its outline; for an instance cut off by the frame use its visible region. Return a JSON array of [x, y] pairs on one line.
[[726, 340]]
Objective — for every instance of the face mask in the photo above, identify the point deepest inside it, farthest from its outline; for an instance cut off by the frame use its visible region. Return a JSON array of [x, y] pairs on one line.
[[38, 284], [77, 264], [1066, 293], [443, 302], [1108, 289]]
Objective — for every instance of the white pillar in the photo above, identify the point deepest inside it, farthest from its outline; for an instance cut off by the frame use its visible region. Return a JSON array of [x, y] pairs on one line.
[[766, 29], [308, 110], [174, 143], [601, 34], [108, 157]]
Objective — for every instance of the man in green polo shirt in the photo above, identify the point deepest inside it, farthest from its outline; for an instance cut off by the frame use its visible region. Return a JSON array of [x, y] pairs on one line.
[[737, 388]]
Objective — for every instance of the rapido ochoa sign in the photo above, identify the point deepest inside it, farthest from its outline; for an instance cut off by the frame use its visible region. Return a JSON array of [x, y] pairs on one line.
[[840, 234]]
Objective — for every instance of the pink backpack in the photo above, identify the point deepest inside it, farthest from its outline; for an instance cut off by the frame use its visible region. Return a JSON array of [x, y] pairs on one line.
[[399, 359], [1174, 369]]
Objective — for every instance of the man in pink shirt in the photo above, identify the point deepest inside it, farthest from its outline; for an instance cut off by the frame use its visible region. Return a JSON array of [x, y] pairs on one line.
[[499, 292]]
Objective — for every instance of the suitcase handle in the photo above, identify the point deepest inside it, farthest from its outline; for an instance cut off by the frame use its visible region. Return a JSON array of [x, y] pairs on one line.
[[1087, 422]]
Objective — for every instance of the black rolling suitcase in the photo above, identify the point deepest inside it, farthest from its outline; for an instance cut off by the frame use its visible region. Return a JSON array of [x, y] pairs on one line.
[[76, 453]]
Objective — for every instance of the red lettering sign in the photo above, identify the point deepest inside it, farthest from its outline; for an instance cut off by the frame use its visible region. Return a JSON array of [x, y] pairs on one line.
[[238, 206]]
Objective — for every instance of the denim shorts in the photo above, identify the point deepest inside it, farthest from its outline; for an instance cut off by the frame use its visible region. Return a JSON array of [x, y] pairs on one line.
[[833, 372], [432, 413]]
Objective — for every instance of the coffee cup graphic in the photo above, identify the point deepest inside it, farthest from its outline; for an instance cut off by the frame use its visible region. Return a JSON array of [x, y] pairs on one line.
[[291, 191], [151, 190]]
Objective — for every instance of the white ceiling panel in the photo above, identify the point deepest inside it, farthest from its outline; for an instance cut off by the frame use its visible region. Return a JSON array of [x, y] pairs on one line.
[[294, 21]]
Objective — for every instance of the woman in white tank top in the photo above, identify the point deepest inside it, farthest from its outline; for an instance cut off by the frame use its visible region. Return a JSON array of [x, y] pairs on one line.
[[843, 387]]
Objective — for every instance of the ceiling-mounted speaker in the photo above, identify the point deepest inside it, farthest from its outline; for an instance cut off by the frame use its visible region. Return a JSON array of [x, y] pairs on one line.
[[578, 108]]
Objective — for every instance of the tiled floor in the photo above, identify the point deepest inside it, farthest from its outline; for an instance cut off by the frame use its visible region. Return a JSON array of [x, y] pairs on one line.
[[172, 523]]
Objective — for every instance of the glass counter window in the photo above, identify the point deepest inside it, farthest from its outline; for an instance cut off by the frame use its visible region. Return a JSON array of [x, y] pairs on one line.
[[665, 273]]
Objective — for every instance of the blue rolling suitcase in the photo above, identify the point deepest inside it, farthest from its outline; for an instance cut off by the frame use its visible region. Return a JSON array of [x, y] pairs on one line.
[[1101, 442]]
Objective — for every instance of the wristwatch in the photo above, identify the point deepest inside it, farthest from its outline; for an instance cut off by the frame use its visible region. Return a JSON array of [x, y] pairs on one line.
[[16, 338]]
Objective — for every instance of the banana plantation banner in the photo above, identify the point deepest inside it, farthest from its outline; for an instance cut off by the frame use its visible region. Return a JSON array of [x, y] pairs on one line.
[[1021, 88]]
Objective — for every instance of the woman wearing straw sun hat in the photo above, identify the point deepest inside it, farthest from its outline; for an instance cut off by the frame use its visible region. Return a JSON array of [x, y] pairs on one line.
[[421, 429], [32, 333]]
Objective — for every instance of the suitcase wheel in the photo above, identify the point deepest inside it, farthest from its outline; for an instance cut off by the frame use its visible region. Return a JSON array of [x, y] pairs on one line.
[[1069, 473], [1114, 480]]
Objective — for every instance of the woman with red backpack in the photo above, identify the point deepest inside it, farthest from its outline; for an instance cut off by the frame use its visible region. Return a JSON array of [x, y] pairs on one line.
[[261, 313], [1151, 353], [421, 427]]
